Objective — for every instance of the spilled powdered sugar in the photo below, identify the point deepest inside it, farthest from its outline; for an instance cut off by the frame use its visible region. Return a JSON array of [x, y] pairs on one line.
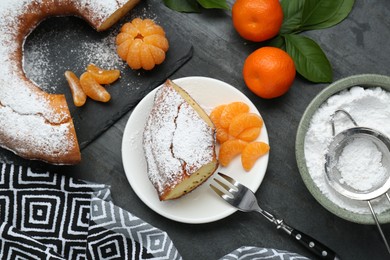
[[42, 70], [177, 141], [370, 108], [101, 50]]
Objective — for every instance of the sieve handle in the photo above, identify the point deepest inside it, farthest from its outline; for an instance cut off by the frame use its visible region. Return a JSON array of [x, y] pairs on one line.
[[345, 113], [378, 224]]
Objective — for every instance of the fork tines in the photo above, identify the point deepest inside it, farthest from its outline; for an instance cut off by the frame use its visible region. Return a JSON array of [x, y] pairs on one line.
[[231, 190], [229, 179]]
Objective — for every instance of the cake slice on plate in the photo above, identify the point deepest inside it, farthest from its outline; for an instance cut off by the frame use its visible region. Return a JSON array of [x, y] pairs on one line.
[[179, 143]]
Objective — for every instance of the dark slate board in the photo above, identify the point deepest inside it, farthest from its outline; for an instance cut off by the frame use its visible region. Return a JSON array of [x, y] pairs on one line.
[[69, 43]]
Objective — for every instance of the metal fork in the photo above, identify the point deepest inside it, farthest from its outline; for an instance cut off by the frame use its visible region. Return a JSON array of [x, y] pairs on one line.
[[242, 198]]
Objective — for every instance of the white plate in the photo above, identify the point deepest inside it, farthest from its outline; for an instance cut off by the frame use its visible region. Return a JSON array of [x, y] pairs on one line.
[[201, 205]]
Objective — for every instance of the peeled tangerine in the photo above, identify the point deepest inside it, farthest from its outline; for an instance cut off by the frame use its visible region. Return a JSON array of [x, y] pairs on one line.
[[93, 89], [237, 130], [142, 44], [229, 150], [232, 110], [89, 84], [103, 76], [251, 153], [222, 133], [78, 94], [244, 121]]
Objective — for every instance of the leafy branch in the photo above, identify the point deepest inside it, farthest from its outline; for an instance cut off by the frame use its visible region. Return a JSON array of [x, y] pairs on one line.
[[299, 16], [191, 6], [303, 15]]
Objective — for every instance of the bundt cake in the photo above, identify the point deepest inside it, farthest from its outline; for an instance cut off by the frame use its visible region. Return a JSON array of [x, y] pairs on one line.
[[33, 123], [179, 143]]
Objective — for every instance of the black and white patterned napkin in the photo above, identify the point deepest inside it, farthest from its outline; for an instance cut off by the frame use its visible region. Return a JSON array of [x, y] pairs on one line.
[[45, 215], [260, 253], [117, 234]]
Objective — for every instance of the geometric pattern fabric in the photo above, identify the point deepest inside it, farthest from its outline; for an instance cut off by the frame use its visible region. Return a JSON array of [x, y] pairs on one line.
[[49, 216], [45, 215], [259, 253], [116, 234], [17, 245], [51, 209]]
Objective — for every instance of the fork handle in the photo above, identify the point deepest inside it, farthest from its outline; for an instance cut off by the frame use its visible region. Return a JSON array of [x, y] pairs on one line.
[[313, 245], [310, 243]]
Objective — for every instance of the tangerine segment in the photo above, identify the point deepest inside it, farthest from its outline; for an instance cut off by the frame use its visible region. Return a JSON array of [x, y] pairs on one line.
[[148, 27], [231, 110], [141, 55], [215, 115], [229, 150], [103, 76], [93, 89], [130, 30], [158, 41], [222, 135], [157, 53], [78, 95], [123, 48], [146, 56], [250, 134], [244, 121], [251, 153], [133, 54], [123, 37]]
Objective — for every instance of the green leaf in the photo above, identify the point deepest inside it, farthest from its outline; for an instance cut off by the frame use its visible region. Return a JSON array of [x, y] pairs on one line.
[[292, 12], [219, 4], [187, 6], [309, 59], [342, 13], [318, 11], [301, 15], [277, 42]]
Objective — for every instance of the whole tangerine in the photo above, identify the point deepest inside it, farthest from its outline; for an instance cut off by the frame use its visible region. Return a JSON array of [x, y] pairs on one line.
[[269, 72], [257, 20]]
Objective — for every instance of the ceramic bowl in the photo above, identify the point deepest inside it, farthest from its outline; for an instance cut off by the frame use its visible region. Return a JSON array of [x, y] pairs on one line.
[[364, 80]]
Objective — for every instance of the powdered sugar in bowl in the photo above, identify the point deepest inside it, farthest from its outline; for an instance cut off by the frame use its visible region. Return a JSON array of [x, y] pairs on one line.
[[367, 98], [357, 161]]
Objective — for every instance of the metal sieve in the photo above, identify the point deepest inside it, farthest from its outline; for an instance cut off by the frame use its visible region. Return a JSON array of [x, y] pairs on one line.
[[334, 177]]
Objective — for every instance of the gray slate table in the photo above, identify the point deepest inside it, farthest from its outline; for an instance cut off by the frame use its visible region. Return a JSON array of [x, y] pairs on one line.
[[358, 45]]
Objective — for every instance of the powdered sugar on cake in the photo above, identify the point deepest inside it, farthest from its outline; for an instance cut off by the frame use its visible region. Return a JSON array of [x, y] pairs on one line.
[[19, 100], [193, 140], [32, 123], [177, 141], [101, 10], [47, 139]]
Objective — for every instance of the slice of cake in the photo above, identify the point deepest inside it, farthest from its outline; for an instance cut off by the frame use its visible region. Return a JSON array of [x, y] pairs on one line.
[[179, 143]]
